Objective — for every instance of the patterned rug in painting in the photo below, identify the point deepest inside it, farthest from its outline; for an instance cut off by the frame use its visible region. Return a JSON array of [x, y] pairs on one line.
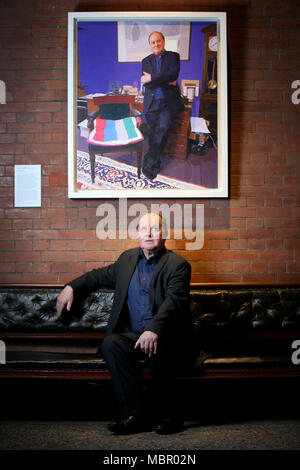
[[111, 174]]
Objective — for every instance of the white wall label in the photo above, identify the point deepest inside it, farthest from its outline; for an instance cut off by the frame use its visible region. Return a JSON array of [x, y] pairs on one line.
[[28, 185]]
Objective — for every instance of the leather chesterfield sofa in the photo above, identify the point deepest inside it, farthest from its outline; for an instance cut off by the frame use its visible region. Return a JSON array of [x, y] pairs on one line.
[[242, 331]]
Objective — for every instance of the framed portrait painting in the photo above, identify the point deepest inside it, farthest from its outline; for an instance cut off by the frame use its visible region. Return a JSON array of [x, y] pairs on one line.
[[126, 138]]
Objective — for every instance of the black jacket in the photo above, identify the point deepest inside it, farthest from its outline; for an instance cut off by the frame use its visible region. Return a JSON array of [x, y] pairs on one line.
[[170, 68], [168, 293]]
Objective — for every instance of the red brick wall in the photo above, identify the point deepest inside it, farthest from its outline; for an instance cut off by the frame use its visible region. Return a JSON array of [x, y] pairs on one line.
[[253, 236]]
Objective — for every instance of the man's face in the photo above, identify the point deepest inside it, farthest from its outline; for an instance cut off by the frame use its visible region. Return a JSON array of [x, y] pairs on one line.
[[150, 233], [157, 43]]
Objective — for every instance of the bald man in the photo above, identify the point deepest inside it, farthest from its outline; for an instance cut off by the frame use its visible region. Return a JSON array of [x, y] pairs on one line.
[[149, 320]]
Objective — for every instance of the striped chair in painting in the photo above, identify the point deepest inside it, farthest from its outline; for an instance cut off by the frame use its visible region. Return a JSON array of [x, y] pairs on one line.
[[114, 129]]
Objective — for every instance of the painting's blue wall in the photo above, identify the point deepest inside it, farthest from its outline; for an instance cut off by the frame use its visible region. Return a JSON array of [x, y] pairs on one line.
[[97, 42]]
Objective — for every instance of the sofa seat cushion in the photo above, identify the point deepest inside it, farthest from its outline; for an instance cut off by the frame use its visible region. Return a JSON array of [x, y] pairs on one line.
[[239, 361], [40, 360], [247, 361]]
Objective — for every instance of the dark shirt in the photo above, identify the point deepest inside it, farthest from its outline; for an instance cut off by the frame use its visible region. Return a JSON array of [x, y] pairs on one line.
[[159, 94], [138, 297]]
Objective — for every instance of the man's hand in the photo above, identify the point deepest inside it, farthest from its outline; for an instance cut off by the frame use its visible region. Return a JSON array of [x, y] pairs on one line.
[[174, 83], [148, 343], [145, 78], [65, 298]]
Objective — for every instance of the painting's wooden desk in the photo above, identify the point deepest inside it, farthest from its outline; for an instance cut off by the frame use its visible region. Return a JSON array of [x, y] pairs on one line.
[[176, 145]]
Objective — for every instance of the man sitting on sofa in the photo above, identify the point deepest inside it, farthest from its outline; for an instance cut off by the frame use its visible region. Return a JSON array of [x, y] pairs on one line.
[[149, 319]]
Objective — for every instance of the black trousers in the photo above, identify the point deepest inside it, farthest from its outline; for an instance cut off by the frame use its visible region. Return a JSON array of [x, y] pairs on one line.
[[118, 350], [158, 121]]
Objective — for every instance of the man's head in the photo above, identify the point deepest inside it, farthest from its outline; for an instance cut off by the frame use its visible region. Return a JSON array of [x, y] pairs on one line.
[[157, 42], [151, 233]]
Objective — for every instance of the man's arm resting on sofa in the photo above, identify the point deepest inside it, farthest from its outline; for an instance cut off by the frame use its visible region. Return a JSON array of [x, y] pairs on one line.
[[88, 282], [65, 299]]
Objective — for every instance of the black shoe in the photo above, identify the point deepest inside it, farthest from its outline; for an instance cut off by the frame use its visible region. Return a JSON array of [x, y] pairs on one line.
[[151, 174], [131, 425], [150, 166], [169, 426]]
